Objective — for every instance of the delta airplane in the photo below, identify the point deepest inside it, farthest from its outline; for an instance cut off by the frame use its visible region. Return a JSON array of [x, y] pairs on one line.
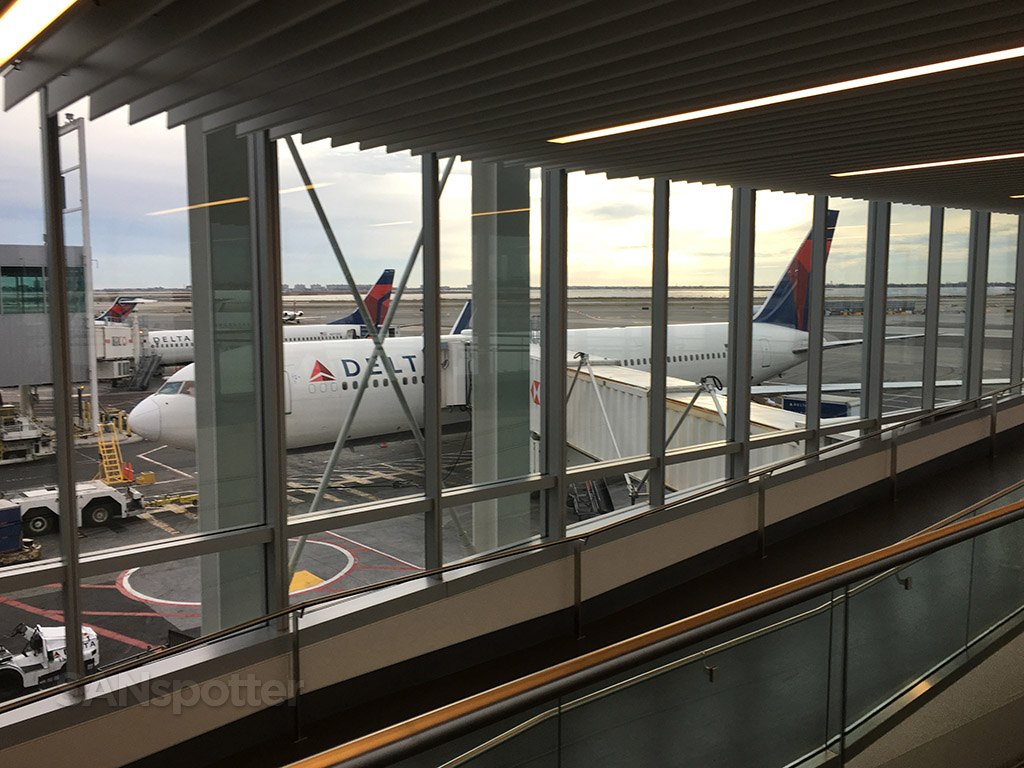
[[120, 309], [177, 347], [321, 378]]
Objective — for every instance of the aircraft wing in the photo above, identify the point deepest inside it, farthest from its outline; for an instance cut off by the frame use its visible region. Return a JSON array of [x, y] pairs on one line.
[[855, 342]]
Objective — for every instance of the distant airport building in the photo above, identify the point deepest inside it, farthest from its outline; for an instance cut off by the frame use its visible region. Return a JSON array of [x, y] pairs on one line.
[[906, 306], [25, 318]]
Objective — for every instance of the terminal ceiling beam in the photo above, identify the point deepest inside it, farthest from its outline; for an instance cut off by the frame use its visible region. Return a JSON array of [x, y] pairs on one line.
[[494, 81]]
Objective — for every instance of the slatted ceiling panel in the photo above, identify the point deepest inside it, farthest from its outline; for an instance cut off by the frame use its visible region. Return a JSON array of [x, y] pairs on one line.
[[365, 27], [206, 49], [79, 33], [423, 47], [494, 80], [506, 67], [336, 23]]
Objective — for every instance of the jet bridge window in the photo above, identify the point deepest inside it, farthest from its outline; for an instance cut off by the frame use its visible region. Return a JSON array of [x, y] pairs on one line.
[[22, 290]]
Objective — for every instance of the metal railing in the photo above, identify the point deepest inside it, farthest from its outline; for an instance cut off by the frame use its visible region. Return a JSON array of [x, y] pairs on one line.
[[576, 540], [540, 688]]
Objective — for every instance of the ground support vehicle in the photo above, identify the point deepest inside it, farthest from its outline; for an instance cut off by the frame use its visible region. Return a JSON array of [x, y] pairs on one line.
[[98, 504], [42, 659]]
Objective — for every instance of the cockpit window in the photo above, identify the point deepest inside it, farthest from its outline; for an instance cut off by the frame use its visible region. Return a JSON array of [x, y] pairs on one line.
[[188, 388], [170, 388]]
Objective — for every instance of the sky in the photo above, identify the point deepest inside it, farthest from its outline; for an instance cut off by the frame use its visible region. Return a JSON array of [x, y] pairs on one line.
[[373, 202]]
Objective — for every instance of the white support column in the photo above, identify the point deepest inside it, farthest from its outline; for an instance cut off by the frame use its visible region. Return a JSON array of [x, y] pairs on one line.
[[60, 331], [433, 555], [553, 310], [875, 304], [501, 348], [659, 342], [229, 320], [977, 289], [931, 312], [741, 302]]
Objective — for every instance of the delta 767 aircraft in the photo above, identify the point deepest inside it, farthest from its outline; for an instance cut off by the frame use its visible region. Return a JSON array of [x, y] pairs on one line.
[[177, 347], [121, 307], [321, 378]]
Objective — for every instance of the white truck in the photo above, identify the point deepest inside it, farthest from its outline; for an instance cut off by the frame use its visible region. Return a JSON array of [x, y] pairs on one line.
[[98, 504], [42, 659]]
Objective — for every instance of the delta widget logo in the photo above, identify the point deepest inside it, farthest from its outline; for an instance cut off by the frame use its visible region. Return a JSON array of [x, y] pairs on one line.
[[321, 373]]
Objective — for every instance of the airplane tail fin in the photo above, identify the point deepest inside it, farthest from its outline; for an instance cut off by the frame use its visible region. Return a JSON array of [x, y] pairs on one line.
[[787, 303], [462, 321], [377, 301], [121, 308]]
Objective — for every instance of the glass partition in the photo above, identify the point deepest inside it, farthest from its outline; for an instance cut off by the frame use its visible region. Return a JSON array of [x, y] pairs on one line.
[[949, 366], [794, 686]]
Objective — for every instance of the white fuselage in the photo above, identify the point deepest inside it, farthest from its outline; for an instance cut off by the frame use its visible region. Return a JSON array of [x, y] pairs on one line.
[[178, 347], [321, 378]]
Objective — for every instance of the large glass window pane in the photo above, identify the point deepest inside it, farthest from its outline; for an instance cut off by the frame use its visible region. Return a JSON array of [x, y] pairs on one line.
[[843, 363], [372, 204], [949, 366], [913, 618], [356, 555], [905, 305], [700, 221], [609, 278], [761, 699], [490, 376], [1002, 268]]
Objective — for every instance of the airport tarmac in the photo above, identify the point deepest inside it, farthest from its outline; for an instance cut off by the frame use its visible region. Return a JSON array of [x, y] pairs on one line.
[[142, 608]]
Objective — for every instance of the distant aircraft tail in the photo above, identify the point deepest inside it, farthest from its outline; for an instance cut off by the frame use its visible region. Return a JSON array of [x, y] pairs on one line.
[[462, 321], [121, 308], [787, 303], [377, 301]]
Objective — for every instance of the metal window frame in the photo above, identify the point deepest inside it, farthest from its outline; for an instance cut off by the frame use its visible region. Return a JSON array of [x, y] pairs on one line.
[[977, 285], [816, 323], [659, 342], [1017, 342], [931, 310], [875, 301], [741, 300], [432, 544]]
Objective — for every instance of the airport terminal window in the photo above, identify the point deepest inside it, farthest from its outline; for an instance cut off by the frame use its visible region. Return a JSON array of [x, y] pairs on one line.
[[22, 290]]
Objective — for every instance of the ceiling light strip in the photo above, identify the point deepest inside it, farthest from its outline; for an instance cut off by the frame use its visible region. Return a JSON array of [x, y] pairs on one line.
[[805, 93], [23, 21], [937, 164]]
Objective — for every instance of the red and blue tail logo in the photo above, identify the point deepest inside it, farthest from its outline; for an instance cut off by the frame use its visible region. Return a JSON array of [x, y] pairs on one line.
[[120, 309], [377, 302], [787, 303]]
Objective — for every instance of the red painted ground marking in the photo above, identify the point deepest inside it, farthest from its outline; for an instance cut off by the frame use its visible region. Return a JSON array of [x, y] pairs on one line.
[[385, 568], [59, 616]]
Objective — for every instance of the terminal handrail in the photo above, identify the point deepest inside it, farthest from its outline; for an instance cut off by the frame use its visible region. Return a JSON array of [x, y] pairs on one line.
[[301, 608], [401, 740]]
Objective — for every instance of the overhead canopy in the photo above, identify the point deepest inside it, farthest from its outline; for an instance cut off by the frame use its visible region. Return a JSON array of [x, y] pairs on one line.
[[495, 80]]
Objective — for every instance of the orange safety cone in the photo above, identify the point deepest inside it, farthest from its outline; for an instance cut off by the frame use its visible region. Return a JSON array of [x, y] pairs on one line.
[[129, 473]]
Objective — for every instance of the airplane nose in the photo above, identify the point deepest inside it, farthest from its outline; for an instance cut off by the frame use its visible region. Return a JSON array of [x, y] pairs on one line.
[[144, 419]]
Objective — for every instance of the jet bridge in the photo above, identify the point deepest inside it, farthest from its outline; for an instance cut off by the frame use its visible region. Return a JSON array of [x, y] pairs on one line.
[[607, 401]]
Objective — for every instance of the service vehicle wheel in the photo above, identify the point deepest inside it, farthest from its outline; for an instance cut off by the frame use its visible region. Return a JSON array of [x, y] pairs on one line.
[[10, 684], [38, 522], [100, 511]]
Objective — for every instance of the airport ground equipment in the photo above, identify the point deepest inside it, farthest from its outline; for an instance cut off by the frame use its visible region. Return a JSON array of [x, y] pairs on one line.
[[22, 438], [42, 658], [98, 503], [112, 467], [13, 548]]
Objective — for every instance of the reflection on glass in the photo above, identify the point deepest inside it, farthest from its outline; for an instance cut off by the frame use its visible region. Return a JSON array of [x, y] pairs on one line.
[[470, 530]]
